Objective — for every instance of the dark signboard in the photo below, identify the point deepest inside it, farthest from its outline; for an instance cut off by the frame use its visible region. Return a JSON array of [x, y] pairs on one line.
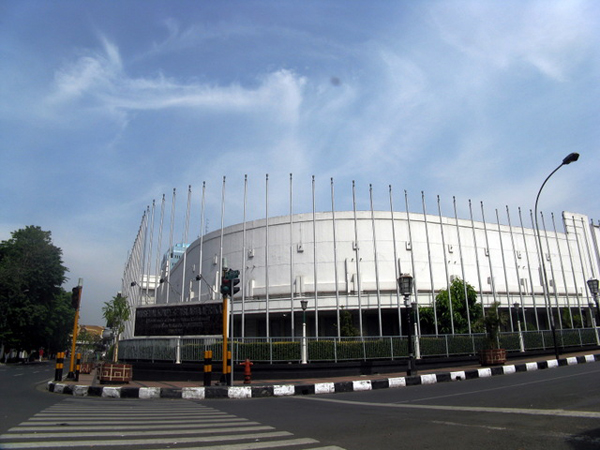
[[179, 320]]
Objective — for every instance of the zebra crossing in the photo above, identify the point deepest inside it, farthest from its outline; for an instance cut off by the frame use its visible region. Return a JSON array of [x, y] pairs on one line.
[[154, 424]]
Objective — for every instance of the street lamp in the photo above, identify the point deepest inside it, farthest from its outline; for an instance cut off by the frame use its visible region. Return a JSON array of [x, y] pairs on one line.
[[405, 283], [304, 304], [571, 157], [593, 285]]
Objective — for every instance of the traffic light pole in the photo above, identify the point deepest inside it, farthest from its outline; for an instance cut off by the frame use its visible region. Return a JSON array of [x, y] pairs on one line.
[[225, 376], [71, 374]]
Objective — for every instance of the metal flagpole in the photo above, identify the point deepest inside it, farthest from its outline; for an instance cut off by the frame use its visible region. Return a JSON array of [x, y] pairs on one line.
[[541, 272], [462, 267], [476, 257], [244, 250], [149, 262], [267, 255], [200, 253], [292, 308], [506, 288], [397, 267], [537, 320], [316, 290], [446, 266], [489, 255], [170, 250], [335, 264], [562, 269], [435, 319], [572, 266], [376, 262], [558, 313], [412, 261], [580, 257], [158, 250], [512, 241], [356, 249], [221, 267], [185, 238]]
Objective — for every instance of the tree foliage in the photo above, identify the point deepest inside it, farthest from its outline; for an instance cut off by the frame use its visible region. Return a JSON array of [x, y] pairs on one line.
[[117, 313], [34, 309], [459, 310]]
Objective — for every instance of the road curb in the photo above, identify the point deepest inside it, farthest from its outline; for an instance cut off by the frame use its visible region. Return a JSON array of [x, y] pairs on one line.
[[283, 390]]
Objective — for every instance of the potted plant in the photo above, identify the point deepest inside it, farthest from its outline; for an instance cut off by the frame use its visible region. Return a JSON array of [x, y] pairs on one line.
[[117, 313], [492, 354]]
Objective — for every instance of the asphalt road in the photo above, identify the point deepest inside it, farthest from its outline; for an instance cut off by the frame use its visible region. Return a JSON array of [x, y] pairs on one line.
[[546, 409], [19, 398]]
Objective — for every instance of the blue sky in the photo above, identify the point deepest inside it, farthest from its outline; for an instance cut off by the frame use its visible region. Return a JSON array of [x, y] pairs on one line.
[[105, 106]]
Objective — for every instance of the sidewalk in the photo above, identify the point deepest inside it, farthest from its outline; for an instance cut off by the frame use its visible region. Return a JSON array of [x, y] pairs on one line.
[[88, 384]]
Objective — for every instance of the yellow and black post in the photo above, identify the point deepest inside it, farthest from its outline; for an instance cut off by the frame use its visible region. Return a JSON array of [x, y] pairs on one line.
[[207, 367], [60, 359], [78, 367]]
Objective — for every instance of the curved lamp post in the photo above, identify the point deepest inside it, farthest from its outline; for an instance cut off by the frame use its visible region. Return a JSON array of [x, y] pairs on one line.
[[405, 283], [571, 157]]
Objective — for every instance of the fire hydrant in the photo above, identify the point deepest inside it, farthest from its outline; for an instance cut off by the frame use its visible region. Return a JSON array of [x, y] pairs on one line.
[[247, 371]]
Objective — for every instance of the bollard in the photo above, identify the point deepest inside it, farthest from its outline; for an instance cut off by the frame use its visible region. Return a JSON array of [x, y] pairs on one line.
[[60, 359], [247, 371], [207, 367], [77, 366], [229, 372]]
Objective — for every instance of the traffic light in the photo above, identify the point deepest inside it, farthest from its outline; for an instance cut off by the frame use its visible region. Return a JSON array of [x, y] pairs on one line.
[[75, 297], [225, 288], [229, 281]]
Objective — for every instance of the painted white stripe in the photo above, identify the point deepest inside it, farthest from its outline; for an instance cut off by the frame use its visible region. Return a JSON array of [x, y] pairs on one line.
[[280, 390], [111, 392], [552, 363], [484, 373], [324, 388], [145, 432], [590, 358], [397, 382], [149, 392], [196, 393], [362, 385], [482, 409], [158, 441], [458, 375], [509, 369], [571, 361], [260, 445], [239, 392], [428, 379], [32, 428], [531, 366]]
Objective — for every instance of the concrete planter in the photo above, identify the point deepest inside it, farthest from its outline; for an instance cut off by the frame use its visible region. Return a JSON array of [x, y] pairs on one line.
[[115, 373], [492, 357]]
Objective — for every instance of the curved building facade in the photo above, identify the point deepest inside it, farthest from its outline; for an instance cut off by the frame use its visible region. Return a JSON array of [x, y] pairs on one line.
[[350, 260]]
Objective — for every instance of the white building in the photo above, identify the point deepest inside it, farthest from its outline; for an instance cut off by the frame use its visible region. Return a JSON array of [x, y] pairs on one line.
[[346, 260]]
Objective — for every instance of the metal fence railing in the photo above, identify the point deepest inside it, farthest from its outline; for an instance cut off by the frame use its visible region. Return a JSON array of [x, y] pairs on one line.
[[333, 349]]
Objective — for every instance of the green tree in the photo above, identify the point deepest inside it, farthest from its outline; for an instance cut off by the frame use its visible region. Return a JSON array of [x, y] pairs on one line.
[[117, 313], [34, 309], [459, 310], [347, 328]]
